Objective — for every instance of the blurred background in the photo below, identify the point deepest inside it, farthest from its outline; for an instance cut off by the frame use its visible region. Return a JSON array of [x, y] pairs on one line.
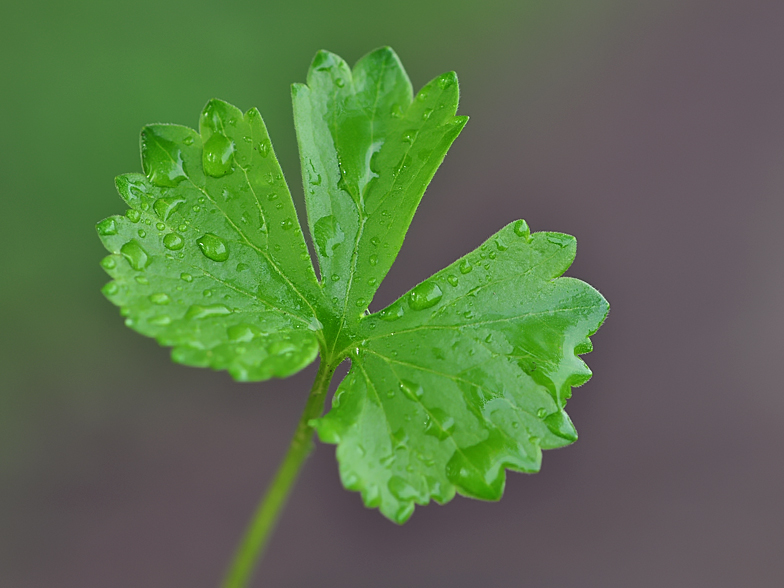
[[651, 130]]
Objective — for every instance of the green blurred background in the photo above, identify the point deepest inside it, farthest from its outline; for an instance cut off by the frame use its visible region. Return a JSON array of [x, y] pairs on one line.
[[81, 79], [651, 130]]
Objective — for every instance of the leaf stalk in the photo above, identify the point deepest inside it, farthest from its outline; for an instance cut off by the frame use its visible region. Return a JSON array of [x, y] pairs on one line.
[[253, 543]]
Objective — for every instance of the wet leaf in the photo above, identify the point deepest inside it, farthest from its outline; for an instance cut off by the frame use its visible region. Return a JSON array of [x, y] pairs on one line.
[[463, 377]]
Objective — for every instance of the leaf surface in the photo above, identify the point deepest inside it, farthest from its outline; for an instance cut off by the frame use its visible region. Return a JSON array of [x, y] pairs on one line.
[[463, 377]]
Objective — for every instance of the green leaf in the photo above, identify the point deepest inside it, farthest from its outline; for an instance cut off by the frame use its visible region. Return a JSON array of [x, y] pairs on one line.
[[463, 377], [368, 150], [210, 258]]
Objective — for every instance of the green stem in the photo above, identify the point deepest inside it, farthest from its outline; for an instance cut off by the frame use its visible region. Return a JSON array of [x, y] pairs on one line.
[[251, 547]]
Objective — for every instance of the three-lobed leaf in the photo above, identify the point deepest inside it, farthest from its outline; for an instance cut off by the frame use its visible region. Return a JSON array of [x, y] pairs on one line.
[[463, 377]]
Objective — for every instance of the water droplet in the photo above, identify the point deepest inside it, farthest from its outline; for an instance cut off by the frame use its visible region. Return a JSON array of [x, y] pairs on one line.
[[108, 263], [500, 245], [208, 293], [281, 347], [213, 247], [162, 159], [339, 82], [468, 314], [160, 298], [489, 338], [425, 295], [136, 256], [409, 136], [160, 226], [133, 215], [559, 239], [445, 81], [492, 255], [440, 425], [142, 280], [217, 155], [541, 413], [393, 312], [241, 333], [164, 207], [465, 266], [196, 208], [452, 279], [373, 259], [335, 278], [264, 149], [375, 241], [411, 389], [142, 233], [247, 139], [110, 289], [173, 241], [286, 224], [241, 267], [521, 229], [107, 227], [361, 302], [515, 425], [426, 113], [186, 277], [160, 321], [182, 228], [372, 282], [197, 312]]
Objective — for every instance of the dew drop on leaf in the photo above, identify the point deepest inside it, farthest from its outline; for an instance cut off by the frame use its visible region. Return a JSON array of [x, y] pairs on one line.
[[411, 389], [133, 215], [425, 295], [165, 206], [186, 277], [197, 312], [393, 312], [218, 155], [465, 267], [452, 279], [241, 333], [137, 257], [213, 247], [173, 241], [160, 298], [107, 227], [108, 262]]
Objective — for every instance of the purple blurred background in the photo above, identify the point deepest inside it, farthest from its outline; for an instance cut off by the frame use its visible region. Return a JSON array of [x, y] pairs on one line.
[[652, 131]]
